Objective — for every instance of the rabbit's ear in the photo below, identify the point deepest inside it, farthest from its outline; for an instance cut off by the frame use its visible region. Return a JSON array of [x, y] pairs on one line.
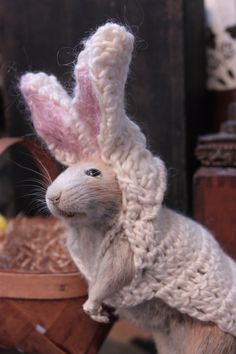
[[104, 65], [54, 118], [86, 104]]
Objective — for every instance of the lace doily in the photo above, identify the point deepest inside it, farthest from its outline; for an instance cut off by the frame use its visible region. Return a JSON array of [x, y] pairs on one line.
[[221, 44]]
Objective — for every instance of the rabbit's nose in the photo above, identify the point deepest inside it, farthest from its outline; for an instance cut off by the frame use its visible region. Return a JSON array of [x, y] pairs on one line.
[[54, 197]]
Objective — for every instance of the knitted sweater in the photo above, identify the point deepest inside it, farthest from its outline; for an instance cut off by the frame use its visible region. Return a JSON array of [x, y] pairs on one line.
[[190, 272], [175, 258]]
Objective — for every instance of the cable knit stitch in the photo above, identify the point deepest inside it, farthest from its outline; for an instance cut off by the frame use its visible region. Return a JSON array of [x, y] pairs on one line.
[[176, 259]]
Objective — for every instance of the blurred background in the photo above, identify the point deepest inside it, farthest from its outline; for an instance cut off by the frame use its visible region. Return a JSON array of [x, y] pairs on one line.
[[166, 85]]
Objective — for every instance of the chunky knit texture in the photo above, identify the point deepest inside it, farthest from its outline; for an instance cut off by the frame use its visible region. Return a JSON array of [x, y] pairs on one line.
[[176, 259]]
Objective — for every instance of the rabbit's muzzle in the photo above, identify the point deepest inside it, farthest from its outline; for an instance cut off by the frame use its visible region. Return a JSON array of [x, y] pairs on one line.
[[54, 198]]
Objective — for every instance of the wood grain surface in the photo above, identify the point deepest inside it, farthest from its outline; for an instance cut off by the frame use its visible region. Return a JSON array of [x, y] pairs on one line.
[[215, 204]]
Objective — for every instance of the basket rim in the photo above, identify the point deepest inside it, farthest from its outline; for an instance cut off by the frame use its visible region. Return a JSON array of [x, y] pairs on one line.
[[30, 272], [41, 286]]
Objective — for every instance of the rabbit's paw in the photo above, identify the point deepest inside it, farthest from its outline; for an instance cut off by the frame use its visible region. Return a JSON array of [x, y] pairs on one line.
[[96, 312]]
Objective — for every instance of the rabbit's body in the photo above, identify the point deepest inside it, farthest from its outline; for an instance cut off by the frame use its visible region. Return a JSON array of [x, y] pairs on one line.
[[160, 269], [173, 332], [109, 266]]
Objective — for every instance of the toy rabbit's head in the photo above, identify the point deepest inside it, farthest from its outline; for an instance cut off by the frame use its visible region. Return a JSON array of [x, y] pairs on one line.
[[86, 194], [92, 127]]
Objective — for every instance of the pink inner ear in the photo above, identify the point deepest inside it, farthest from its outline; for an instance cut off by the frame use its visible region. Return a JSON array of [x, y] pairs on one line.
[[49, 119], [86, 103]]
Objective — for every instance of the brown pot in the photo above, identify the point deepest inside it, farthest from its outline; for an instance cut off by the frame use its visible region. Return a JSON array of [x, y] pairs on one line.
[[42, 312]]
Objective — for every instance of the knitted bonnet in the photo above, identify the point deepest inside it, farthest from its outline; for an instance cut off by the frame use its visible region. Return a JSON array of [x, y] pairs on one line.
[[175, 258]]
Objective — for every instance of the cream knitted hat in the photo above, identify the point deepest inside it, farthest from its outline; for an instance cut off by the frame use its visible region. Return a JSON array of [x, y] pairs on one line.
[[176, 259]]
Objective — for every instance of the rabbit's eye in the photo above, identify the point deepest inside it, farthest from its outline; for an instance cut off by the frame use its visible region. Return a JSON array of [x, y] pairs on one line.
[[93, 172]]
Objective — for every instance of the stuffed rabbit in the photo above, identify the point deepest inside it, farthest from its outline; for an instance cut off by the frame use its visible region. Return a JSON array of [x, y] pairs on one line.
[[155, 266]]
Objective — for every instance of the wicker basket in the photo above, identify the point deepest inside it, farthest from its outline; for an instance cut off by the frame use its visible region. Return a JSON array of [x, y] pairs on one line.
[[42, 313], [33, 323]]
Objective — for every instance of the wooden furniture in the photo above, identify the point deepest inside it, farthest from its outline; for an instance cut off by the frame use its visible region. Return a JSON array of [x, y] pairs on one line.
[[215, 185]]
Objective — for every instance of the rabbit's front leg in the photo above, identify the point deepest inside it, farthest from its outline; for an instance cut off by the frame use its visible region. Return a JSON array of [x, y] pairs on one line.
[[115, 270]]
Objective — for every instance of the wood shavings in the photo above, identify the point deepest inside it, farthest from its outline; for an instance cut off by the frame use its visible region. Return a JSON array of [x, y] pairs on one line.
[[35, 244]]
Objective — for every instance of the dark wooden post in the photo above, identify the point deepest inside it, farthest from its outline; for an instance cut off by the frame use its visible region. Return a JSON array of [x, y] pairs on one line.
[[6, 192], [215, 185]]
